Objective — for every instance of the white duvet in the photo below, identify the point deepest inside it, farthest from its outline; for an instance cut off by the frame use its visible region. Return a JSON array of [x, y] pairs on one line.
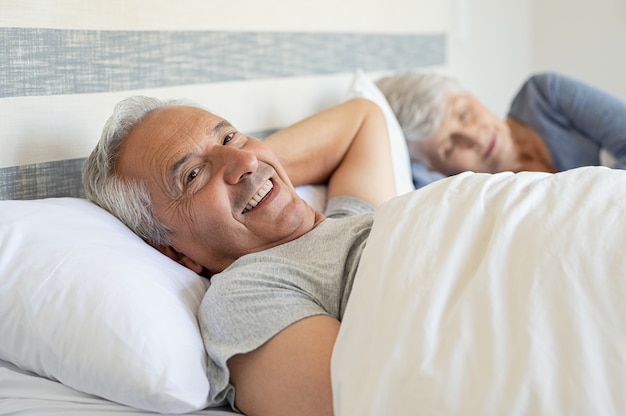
[[491, 295]]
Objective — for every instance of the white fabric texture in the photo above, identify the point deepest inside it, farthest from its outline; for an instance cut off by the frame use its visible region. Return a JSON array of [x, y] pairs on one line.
[[491, 295], [363, 87], [86, 302]]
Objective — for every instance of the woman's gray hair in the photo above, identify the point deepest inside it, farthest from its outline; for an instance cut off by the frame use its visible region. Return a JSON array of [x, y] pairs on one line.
[[127, 199], [418, 100]]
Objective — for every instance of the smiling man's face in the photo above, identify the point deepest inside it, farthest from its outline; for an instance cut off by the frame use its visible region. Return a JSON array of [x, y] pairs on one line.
[[222, 194]]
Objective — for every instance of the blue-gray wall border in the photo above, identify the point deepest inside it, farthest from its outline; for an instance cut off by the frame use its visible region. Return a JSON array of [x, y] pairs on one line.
[[35, 61], [43, 180]]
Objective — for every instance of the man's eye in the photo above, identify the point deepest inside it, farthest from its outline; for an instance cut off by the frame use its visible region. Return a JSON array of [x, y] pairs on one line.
[[192, 175], [228, 137]]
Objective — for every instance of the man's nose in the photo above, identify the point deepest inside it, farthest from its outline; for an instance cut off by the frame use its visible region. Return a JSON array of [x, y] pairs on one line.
[[236, 163]]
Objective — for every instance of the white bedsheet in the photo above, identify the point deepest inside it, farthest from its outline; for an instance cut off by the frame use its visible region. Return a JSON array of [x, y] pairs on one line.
[[24, 393], [491, 295]]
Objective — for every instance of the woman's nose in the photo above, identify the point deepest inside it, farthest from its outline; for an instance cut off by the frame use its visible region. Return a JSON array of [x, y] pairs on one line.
[[468, 141]]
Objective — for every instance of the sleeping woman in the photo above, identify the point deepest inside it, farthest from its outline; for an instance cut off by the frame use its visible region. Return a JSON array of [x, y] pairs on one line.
[[555, 123]]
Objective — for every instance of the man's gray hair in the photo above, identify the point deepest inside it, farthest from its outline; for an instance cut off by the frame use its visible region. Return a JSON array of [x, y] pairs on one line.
[[418, 100], [127, 199]]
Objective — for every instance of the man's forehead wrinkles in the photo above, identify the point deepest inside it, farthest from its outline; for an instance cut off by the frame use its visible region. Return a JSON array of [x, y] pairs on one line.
[[199, 129]]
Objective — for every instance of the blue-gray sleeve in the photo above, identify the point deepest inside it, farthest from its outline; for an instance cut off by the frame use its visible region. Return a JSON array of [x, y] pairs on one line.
[[423, 176], [575, 119]]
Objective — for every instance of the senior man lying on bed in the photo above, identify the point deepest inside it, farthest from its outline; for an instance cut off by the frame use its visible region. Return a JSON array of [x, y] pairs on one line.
[[224, 205]]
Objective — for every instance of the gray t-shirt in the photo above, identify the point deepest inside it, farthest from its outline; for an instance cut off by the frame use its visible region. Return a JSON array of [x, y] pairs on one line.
[[262, 293]]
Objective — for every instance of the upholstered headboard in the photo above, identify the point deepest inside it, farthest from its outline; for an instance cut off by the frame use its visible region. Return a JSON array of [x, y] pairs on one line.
[[58, 85]]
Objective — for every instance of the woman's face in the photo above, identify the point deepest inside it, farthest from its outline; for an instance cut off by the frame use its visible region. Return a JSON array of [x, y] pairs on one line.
[[470, 137]]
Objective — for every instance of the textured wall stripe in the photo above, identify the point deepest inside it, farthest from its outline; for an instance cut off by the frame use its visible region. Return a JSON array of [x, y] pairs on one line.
[[51, 61], [42, 180]]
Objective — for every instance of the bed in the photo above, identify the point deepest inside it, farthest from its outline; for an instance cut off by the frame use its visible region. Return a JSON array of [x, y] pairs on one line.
[[456, 310], [95, 322]]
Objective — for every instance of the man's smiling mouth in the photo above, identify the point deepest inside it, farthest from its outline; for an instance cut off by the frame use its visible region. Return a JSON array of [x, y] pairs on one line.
[[263, 192]]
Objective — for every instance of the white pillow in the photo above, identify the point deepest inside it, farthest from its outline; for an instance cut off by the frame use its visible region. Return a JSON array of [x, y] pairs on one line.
[[363, 87], [86, 302]]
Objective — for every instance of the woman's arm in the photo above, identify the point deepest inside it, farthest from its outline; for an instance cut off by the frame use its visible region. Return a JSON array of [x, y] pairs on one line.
[[345, 146], [586, 112]]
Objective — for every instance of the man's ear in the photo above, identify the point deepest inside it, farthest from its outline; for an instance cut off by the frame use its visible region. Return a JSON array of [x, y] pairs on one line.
[[180, 258]]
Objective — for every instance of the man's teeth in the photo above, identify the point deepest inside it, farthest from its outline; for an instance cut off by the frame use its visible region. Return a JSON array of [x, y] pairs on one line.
[[265, 189]]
